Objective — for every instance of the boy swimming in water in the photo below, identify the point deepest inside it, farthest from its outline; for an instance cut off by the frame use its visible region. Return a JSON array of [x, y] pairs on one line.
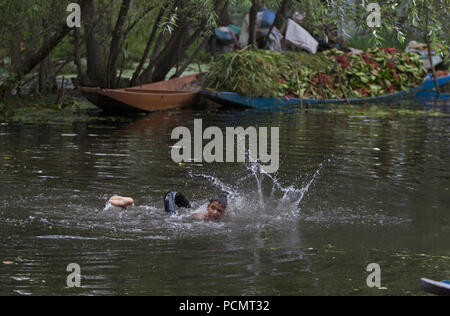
[[214, 211]]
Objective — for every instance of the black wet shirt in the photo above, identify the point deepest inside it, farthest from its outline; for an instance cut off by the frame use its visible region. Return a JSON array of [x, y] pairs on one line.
[[173, 200]]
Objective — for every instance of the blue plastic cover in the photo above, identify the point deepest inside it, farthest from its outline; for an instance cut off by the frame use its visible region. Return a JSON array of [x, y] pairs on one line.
[[223, 36], [268, 18]]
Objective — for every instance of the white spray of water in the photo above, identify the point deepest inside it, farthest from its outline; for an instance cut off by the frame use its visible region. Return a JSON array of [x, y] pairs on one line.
[[261, 194]]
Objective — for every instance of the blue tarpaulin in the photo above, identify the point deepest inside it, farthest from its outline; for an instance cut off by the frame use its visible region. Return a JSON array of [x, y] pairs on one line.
[[268, 18], [223, 36]]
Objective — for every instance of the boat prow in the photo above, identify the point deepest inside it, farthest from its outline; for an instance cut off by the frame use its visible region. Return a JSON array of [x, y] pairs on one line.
[[435, 287], [157, 96]]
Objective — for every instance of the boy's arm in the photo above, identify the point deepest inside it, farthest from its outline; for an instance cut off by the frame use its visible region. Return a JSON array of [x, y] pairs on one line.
[[199, 216]]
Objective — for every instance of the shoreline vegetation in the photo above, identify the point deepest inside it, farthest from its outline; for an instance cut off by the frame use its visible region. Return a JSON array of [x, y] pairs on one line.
[[67, 105], [130, 43], [43, 110], [329, 74]]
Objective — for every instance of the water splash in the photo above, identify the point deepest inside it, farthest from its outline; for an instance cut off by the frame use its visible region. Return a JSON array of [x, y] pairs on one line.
[[263, 195], [109, 207]]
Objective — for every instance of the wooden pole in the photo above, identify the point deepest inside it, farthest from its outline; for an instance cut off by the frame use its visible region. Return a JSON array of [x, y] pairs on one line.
[[430, 56], [338, 70], [300, 94], [60, 99], [321, 86]]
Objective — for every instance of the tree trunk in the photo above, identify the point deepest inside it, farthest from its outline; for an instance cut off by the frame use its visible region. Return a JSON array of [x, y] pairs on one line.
[[161, 64], [191, 58], [252, 25], [44, 65], [3, 54], [15, 49], [95, 73], [62, 30], [117, 43], [433, 69], [82, 80], [44, 51], [146, 76], [170, 56], [224, 18], [430, 56], [224, 11], [32, 44], [43, 76], [280, 19], [282, 14], [147, 48]]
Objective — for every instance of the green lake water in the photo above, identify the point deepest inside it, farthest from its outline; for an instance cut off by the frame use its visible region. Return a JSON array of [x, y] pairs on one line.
[[352, 189]]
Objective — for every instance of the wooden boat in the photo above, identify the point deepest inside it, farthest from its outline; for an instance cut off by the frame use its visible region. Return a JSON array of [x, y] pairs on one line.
[[436, 288], [424, 92], [152, 97]]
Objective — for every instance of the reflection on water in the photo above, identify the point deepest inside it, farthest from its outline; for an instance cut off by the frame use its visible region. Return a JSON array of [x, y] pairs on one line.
[[351, 190]]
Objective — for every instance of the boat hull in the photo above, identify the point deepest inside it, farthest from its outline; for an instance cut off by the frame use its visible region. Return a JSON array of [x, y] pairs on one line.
[[424, 92], [159, 96], [436, 288]]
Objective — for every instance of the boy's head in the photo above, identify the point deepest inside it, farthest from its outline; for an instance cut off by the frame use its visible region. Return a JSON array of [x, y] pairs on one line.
[[217, 207]]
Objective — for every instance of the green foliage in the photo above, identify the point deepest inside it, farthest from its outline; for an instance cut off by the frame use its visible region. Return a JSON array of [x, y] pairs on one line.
[[431, 19], [330, 75], [248, 72], [386, 39], [400, 20], [31, 21]]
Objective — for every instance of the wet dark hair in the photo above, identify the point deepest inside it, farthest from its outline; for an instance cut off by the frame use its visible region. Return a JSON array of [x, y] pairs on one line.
[[221, 199]]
